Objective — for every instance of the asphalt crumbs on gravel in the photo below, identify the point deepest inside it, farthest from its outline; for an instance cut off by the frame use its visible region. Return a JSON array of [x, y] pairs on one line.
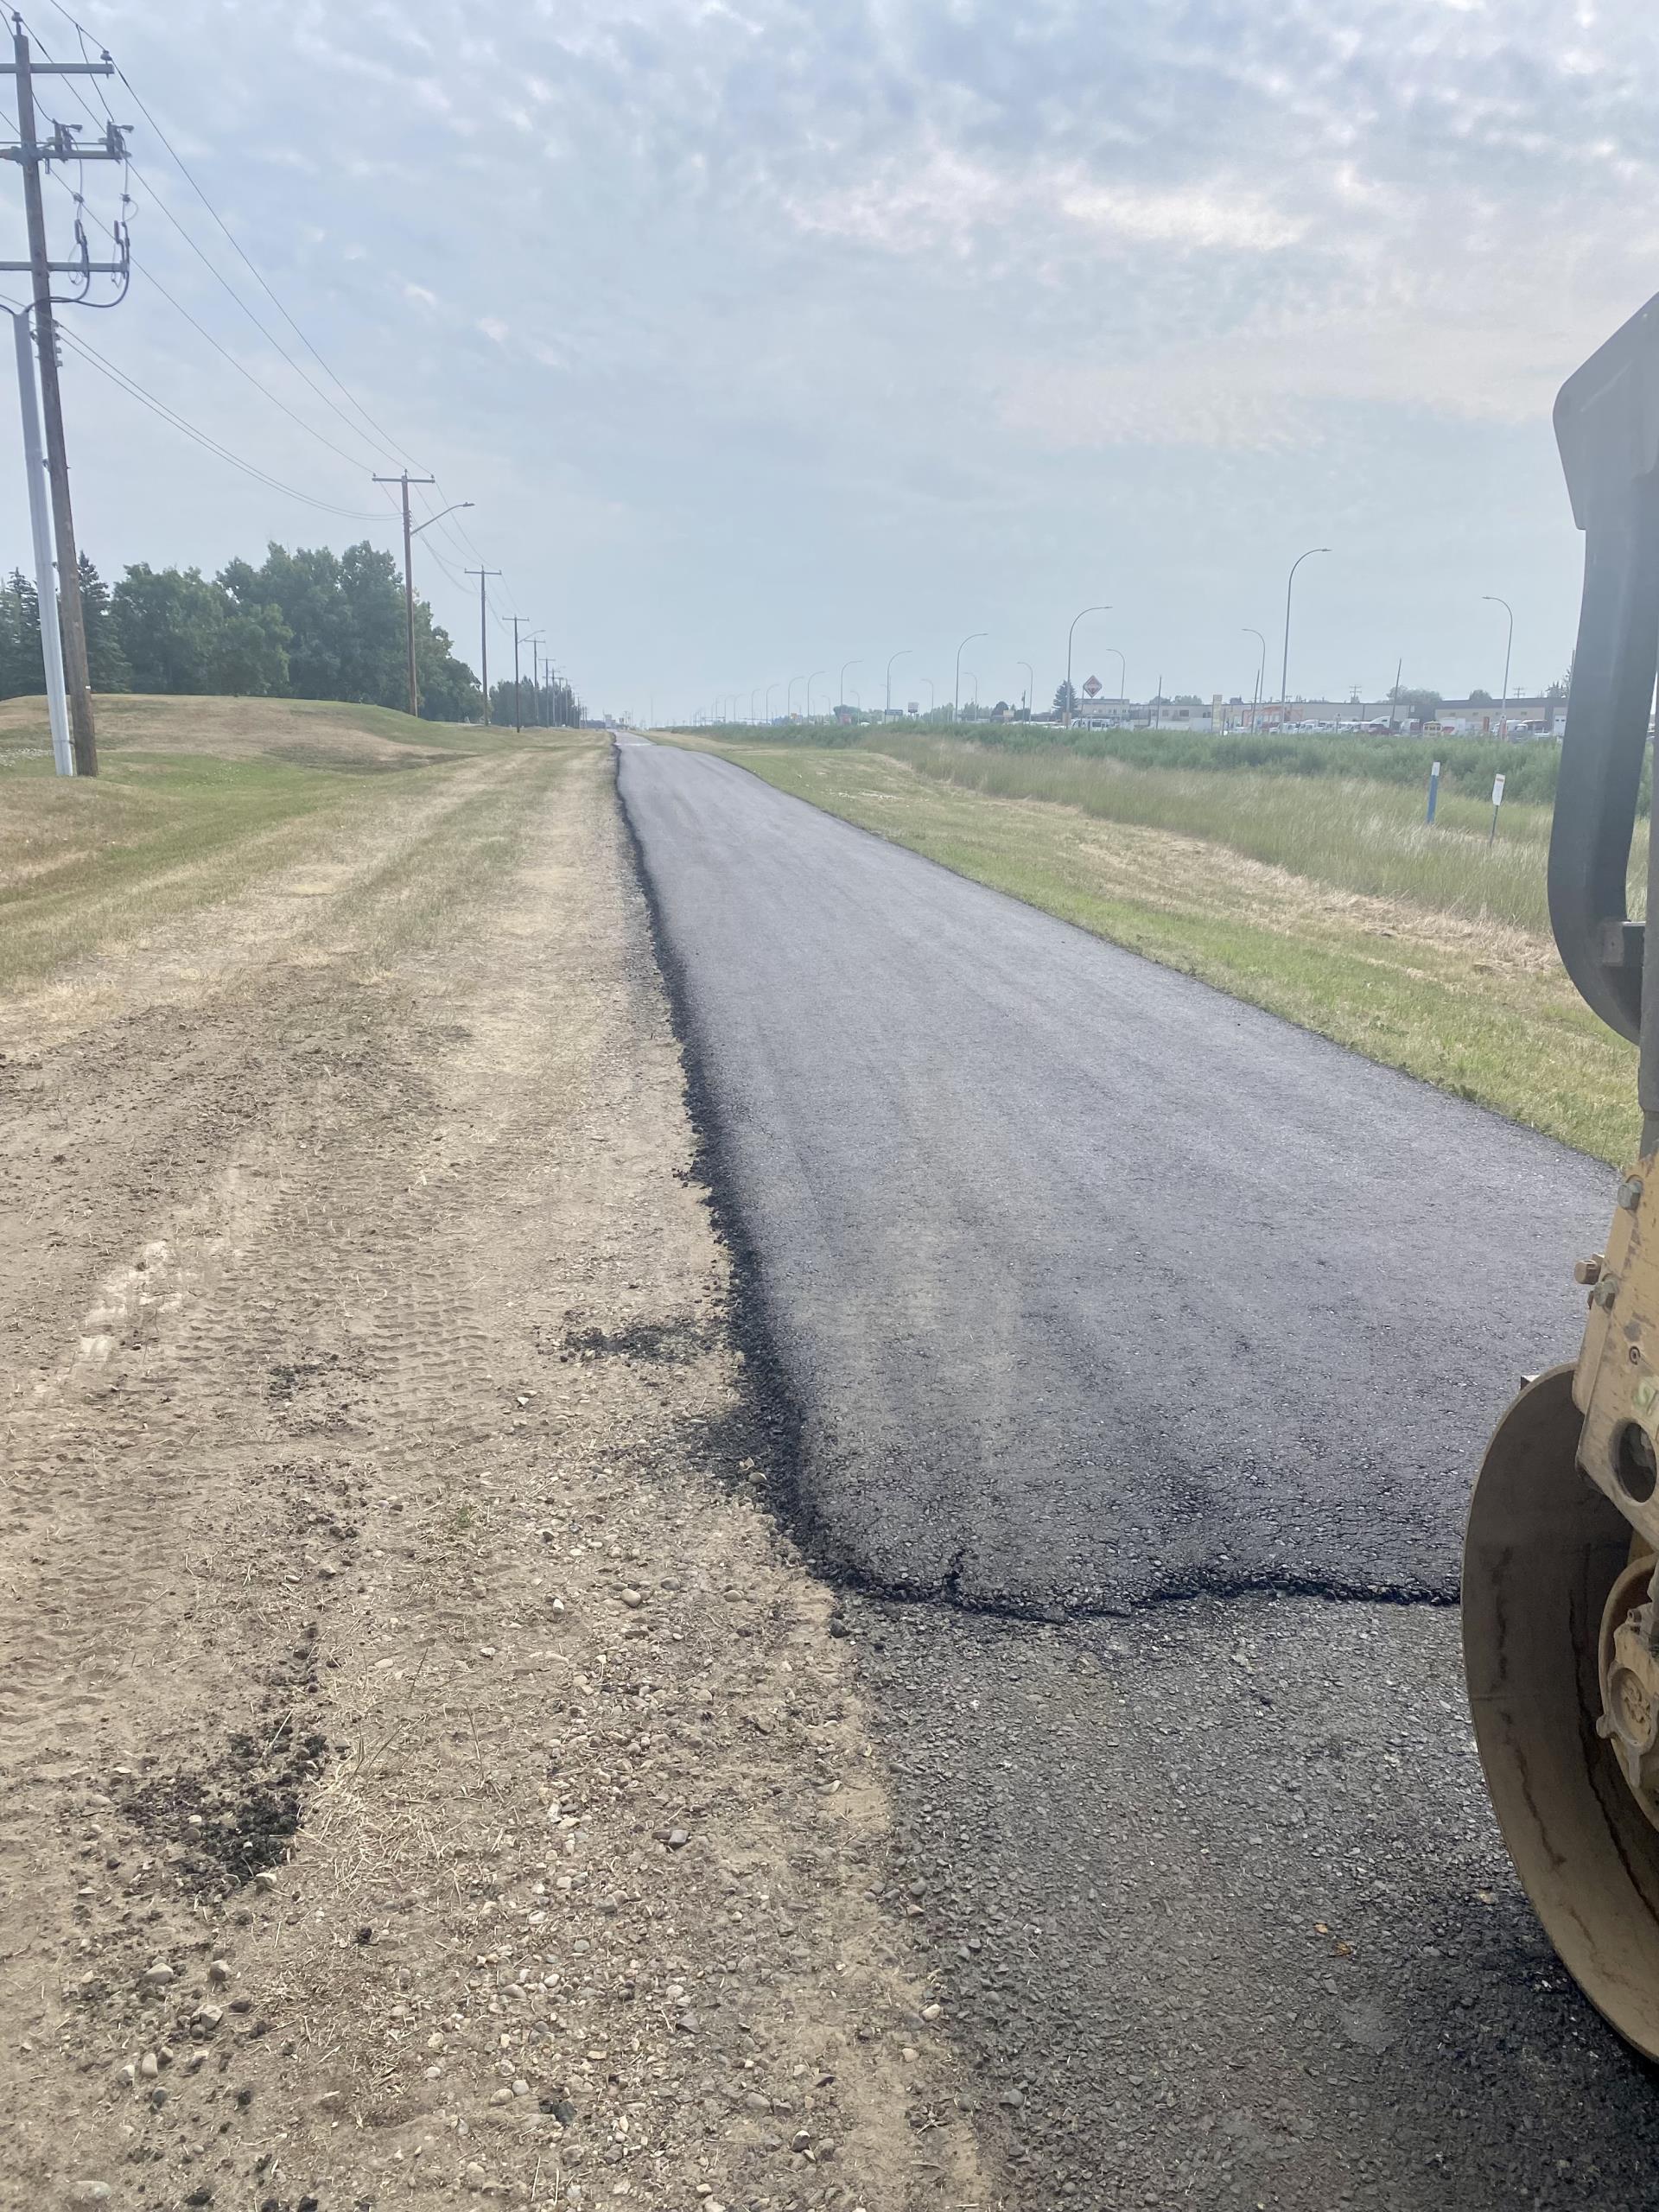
[[1189, 1804]]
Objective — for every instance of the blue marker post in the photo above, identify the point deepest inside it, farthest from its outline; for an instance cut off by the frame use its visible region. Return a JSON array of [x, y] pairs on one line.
[[1433, 790]]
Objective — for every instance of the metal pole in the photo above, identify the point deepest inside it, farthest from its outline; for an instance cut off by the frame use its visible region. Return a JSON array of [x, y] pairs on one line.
[[811, 681], [1504, 711], [73, 621], [1031, 685], [955, 711], [41, 531], [771, 687], [1260, 674], [1284, 666], [1393, 701], [900, 655], [1123, 677], [1069, 634], [517, 621], [841, 687]]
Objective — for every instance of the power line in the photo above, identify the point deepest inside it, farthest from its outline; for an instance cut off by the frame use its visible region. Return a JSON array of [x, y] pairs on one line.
[[170, 415], [388, 443], [220, 278], [134, 389]]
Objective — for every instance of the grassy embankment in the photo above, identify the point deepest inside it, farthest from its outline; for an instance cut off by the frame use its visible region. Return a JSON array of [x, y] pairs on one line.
[[197, 799], [1322, 898]]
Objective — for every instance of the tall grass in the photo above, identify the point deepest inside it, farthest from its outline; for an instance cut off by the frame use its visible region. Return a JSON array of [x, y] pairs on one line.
[[1354, 834], [1468, 763]]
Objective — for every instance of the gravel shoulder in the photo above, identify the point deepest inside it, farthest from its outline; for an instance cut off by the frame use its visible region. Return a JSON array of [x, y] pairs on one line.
[[425, 1770]]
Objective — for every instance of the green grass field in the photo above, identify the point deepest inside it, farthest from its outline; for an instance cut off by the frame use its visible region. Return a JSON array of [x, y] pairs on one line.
[[1326, 900]]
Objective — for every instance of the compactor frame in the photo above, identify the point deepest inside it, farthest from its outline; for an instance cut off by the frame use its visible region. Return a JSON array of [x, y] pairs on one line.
[[1560, 1580]]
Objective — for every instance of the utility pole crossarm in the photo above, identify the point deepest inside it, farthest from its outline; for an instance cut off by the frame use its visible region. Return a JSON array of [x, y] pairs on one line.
[[65, 267]]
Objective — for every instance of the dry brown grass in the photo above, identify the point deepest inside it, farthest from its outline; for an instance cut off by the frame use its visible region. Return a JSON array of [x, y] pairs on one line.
[[199, 799]]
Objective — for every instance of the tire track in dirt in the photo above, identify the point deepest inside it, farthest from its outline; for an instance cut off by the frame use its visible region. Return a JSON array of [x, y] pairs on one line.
[[402, 1657]]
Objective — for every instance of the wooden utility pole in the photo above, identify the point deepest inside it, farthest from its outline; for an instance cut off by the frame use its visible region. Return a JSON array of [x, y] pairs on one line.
[[484, 633], [405, 480], [517, 621], [31, 156], [535, 680]]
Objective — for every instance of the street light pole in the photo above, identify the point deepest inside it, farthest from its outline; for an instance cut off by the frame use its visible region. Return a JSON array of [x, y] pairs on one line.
[[1069, 634], [789, 696], [900, 655], [841, 686], [955, 711], [1504, 711], [771, 687], [1123, 675], [929, 681], [811, 681], [1260, 674], [1284, 665]]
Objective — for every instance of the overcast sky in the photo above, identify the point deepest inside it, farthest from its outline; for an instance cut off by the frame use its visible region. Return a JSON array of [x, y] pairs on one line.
[[772, 336]]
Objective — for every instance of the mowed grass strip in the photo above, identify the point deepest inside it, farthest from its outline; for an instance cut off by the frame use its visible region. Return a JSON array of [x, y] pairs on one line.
[[1461, 994], [196, 800]]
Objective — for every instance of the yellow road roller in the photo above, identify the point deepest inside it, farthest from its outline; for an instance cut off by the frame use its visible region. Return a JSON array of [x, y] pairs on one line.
[[1560, 1568]]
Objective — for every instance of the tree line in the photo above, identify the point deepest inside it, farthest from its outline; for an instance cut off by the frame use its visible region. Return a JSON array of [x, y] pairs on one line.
[[309, 624]]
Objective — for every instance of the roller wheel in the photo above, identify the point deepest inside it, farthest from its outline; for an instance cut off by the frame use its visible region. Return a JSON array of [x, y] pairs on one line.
[[1543, 1551]]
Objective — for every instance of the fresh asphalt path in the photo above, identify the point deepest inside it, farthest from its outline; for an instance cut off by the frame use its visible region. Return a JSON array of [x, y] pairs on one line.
[[1091, 1282], [1109, 1301]]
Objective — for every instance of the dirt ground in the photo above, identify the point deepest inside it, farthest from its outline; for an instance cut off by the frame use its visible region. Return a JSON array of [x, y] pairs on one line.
[[426, 1771]]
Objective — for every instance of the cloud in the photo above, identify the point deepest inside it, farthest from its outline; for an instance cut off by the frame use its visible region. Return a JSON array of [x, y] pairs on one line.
[[810, 274]]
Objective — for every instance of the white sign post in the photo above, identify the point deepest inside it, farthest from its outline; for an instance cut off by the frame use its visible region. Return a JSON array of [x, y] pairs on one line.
[[1498, 801]]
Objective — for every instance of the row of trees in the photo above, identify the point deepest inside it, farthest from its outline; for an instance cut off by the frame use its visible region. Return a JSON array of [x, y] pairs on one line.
[[535, 706], [309, 623]]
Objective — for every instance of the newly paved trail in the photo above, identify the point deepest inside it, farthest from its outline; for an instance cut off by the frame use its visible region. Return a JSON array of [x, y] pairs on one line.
[[1112, 1304]]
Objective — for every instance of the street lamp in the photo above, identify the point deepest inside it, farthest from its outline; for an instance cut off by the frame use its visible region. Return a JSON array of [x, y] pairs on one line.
[[1284, 665], [753, 695], [771, 687], [811, 681], [841, 686], [1031, 685], [431, 520], [409, 535], [955, 711], [789, 696], [1122, 676], [1504, 711], [929, 681], [1076, 619], [1260, 672], [900, 655]]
